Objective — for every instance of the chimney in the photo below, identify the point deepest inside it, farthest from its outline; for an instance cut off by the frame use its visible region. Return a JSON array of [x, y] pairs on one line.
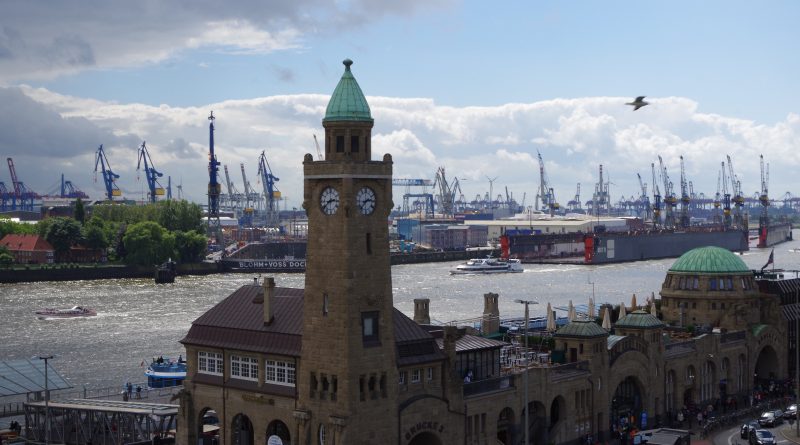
[[269, 300], [491, 314], [422, 313]]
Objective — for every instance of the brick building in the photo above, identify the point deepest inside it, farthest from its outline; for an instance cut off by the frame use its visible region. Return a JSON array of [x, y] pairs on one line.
[[28, 249]]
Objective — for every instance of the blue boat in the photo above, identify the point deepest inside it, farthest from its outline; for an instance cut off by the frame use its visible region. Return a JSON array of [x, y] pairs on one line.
[[163, 373]]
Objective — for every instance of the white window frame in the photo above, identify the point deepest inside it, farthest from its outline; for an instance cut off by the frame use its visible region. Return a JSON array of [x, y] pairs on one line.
[[430, 374], [402, 377], [277, 372], [206, 358], [244, 367], [416, 375]]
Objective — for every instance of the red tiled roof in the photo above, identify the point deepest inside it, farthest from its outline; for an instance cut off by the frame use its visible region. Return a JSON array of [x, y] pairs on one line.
[[15, 242]]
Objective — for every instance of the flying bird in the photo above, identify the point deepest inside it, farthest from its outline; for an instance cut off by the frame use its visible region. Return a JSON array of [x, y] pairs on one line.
[[638, 103]]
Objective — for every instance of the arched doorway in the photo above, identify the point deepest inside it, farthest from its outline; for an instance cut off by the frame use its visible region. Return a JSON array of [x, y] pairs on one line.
[[767, 367], [278, 429], [669, 396], [626, 405], [505, 426], [708, 381], [689, 394], [426, 438], [241, 430], [538, 429], [207, 427], [558, 417]]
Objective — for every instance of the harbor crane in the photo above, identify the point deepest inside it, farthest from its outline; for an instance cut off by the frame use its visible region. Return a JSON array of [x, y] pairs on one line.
[[234, 197], [644, 198], [669, 197], [68, 190], [251, 200], [447, 194], [656, 198], [271, 193], [214, 188], [109, 177], [685, 220], [575, 204], [546, 193], [763, 198], [716, 216], [738, 197], [726, 199], [427, 198], [601, 200], [151, 174], [319, 152], [22, 199], [4, 195]]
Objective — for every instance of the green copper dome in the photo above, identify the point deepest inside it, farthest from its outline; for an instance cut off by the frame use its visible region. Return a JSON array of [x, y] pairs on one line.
[[709, 260], [581, 328], [639, 320], [347, 102]]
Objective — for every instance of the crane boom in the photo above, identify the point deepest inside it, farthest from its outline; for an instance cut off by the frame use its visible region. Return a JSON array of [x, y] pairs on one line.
[[150, 172], [271, 192], [109, 177], [319, 152], [546, 192], [656, 198], [685, 197]]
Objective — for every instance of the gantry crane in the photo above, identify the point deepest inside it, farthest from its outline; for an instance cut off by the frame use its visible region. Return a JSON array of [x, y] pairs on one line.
[[68, 190], [738, 197], [601, 200], [669, 196], [685, 220], [446, 193], [150, 173], [427, 204], [546, 193], [763, 199], [214, 188], [22, 199], [575, 204], [251, 200], [644, 198], [656, 198], [726, 199], [234, 197], [716, 216], [109, 177], [271, 193]]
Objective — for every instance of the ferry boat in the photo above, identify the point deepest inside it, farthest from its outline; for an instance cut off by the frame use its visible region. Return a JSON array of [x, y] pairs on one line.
[[75, 311], [488, 265], [163, 373]]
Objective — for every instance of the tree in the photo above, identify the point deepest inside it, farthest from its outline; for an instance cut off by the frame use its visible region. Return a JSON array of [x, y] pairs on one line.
[[95, 237], [7, 226], [80, 211], [6, 259], [147, 243], [63, 233], [190, 245]]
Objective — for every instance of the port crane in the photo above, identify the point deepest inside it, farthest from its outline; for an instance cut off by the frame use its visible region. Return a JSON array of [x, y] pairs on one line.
[[644, 198], [319, 152], [22, 198], [685, 220], [234, 197], [251, 200], [68, 190], [447, 194], [726, 199], [738, 197], [601, 200], [151, 174], [427, 198], [546, 193], [716, 217], [669, 197], [214, 188], [271, 193], [109, 177], [656, 198], [763, 198], [4, 195], [575, 204]]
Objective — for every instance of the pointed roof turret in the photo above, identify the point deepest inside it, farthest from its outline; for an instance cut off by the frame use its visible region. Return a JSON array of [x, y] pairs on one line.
[[348, 102]]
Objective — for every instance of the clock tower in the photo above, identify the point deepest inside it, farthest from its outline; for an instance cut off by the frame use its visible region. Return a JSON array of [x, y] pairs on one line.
[[347, 377]]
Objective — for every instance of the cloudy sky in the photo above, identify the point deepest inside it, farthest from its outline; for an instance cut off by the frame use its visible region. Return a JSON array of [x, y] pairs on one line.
[[474, 87]]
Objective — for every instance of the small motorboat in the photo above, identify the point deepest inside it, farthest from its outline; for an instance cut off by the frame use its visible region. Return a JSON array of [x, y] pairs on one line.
[[162, 373], [73, 312], [488, 265]]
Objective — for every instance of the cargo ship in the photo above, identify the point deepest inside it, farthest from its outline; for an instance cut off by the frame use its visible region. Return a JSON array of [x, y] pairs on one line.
[[617, 247]]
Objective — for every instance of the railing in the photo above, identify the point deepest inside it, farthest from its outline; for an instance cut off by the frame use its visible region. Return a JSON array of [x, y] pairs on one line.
[[13, 409], [488, 385]]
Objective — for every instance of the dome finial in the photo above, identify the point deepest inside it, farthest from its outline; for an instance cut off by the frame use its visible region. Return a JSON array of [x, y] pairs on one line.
[[347, 63]]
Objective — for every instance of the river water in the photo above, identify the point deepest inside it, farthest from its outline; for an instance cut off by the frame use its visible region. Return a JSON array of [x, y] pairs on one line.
[[138, 320]]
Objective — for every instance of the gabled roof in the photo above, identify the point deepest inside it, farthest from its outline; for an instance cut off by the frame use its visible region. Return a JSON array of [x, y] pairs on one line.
[[24, 242]]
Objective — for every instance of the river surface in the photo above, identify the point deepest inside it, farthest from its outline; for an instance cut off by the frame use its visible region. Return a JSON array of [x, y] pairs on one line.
[[138, 320]]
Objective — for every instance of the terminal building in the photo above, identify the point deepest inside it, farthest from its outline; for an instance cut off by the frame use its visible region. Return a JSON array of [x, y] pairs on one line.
[[336, 363]]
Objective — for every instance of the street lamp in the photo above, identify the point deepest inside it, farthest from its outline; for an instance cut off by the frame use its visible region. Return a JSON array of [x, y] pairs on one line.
[[46, 399], [525, 333]]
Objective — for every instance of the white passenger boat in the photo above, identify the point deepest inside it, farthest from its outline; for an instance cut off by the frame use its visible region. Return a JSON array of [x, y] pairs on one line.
[[75, 311], [488, 265]]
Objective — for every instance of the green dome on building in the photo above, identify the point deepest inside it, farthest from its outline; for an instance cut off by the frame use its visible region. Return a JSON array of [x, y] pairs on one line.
[[710, 260], [347, 102], [581, 328], [639, 320]]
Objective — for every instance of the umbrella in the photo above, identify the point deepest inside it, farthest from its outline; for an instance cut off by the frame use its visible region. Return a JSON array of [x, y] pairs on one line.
[[622, 312], [633, 302], [571, 312], [653, 310], [551, 319], [591, 307], [607, 320]]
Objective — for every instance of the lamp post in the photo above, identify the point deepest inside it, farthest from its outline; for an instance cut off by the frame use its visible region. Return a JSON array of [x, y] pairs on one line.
[[525, 378], [46, 399]]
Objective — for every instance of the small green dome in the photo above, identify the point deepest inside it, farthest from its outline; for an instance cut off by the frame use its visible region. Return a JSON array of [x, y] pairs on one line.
[[347, 102], [639, 320], [581, 328], [710, 260]]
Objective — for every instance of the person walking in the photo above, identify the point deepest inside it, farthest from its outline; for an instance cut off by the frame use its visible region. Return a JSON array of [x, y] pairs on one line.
[[138, 391]]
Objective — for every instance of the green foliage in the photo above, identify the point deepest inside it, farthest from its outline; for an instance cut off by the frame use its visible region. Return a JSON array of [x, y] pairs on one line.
[[7, 226], [80, 211], [63, 233], [6, 259], [147, 243], [172, 215], [95, 237], [190, 245]]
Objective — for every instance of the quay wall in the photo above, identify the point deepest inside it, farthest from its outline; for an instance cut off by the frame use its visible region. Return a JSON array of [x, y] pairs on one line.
[[59, 272]]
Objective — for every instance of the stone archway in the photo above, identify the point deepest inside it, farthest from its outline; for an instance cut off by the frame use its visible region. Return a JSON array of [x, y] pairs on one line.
[[767, 367], [208, 426], [505, 426], [627, 403], [241, 430], [538, 422], [558, 417], [690, 391], [279, 429], [426, 438]]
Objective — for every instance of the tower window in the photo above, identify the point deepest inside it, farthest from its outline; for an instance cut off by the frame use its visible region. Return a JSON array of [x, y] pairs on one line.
[[369, 244], [325, 305], [369, 328], [339, 144], [354, 144]]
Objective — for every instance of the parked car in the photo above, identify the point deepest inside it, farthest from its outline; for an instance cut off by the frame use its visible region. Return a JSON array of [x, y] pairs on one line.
[[791, 412], [771, 418], [762, 437], [747, 428]]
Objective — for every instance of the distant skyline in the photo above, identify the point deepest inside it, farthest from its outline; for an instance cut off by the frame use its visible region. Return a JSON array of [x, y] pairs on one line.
[[474, 87]]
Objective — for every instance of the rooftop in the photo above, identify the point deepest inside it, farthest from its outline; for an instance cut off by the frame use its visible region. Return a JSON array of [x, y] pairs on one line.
[[710, 260], [348, 102]]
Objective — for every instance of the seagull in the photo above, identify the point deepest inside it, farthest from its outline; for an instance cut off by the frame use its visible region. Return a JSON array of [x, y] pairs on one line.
[[638, 103]]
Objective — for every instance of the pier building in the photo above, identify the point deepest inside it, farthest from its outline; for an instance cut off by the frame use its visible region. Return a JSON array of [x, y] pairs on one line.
[[336, 363]]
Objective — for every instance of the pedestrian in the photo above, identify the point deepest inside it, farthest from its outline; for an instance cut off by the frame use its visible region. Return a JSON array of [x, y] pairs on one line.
[[129, 388], [138, 392], [125, 396], [680, 418], [699, 418]]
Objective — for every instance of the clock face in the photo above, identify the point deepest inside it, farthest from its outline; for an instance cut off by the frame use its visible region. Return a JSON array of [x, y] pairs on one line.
[[329, 200], [366, 200]]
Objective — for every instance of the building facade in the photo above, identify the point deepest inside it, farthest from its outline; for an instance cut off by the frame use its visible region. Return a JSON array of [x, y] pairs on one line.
[[336, 363]]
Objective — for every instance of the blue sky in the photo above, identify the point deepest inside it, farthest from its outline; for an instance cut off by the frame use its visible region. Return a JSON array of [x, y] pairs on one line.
[[472, 86]]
